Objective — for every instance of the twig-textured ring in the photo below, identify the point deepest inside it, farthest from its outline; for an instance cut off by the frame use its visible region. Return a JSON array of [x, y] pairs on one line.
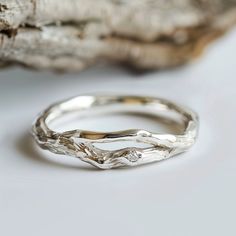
[[81, 143]]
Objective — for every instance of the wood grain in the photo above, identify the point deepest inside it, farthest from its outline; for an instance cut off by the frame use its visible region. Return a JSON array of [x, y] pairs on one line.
[[74, 34]]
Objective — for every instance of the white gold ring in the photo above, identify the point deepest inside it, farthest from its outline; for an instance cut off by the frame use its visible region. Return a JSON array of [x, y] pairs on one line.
[[81, 143]]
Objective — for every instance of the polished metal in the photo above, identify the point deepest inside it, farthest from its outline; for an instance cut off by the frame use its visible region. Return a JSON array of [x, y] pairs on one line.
[[81, 143]]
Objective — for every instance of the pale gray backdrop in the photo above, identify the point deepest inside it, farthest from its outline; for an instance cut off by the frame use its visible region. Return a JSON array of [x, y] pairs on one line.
[[193, 194]]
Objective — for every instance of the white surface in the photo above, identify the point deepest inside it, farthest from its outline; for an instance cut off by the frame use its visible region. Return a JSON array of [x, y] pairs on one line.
[[193, 194]]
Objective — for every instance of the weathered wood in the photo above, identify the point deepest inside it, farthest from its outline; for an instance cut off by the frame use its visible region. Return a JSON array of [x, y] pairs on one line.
[[73, 34]]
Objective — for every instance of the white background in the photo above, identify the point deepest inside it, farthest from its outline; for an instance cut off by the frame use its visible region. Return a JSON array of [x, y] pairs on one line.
[[193, 194]]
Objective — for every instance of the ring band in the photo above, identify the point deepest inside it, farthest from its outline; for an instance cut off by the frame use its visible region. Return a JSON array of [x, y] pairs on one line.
[[80, 143]]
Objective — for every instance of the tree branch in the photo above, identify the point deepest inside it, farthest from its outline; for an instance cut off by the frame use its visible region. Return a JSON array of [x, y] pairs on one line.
[[74, 34]]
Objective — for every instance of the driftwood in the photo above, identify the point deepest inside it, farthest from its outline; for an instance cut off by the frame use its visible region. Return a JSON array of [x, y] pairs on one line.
[[73, 34]]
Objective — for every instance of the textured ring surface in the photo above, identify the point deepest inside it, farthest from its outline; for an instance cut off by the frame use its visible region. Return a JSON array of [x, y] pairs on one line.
[[81, 143]]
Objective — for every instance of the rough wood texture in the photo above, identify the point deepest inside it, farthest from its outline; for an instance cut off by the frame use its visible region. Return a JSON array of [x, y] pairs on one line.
[[73, 34]]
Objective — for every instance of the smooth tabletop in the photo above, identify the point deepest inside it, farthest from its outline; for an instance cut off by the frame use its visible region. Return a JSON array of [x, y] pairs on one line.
[[192, 194]]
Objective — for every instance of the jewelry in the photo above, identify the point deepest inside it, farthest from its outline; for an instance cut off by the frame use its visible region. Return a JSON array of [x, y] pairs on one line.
[[80, 143]]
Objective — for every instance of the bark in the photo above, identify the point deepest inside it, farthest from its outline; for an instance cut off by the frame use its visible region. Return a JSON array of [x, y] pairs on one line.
[[73, 34]]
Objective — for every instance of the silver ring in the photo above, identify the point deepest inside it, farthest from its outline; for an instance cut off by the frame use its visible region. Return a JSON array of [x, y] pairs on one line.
[[81, 143]]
